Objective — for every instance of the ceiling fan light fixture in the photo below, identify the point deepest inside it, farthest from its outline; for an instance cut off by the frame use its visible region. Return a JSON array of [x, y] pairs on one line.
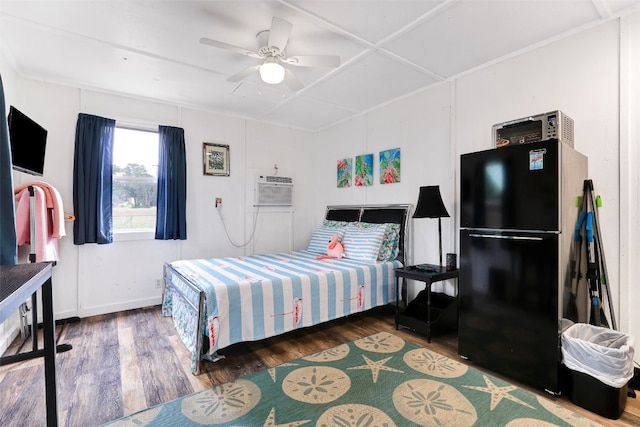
[[271, 72]]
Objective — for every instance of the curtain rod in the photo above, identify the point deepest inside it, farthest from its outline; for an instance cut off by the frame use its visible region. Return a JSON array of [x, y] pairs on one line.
[[136, 126]]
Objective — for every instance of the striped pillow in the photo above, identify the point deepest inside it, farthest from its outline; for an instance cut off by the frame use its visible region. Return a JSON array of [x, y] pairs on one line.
[[321, 237], [363, 244], [389, 248]]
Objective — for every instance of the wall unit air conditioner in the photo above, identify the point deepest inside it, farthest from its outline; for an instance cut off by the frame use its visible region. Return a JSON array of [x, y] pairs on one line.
[[273, 191]]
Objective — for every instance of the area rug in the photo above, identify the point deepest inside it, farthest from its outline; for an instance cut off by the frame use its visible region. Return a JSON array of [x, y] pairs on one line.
[[380, 380]]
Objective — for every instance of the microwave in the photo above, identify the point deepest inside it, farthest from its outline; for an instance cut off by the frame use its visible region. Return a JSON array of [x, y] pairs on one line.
[[541, 127]]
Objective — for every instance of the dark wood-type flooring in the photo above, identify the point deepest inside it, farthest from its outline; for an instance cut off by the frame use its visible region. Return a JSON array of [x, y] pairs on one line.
[[127, 361]]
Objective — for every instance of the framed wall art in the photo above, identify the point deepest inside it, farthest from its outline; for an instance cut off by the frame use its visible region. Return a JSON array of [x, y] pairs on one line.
[[390, 166], [344, 170], [216, 159], [364, 171]]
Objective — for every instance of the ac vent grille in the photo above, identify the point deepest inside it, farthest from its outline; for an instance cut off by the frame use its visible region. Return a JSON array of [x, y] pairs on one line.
[[567, 129], [273, 191], [279, 179]]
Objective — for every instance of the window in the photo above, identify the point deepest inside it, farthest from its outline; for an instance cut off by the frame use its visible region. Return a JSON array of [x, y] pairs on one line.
[[135, 180]]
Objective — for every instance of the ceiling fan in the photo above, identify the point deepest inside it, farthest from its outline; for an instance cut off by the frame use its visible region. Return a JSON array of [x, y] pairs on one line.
[[271, 50]]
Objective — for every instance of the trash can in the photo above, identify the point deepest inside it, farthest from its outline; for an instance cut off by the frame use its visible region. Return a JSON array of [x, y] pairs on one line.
[[599, 365]]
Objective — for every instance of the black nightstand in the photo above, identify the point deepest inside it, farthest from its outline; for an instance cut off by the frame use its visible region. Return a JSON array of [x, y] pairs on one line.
[[428, 308]]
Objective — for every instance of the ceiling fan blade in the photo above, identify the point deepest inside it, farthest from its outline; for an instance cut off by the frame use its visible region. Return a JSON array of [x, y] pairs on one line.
[[279, 33], [313, 61], [227, 46], [244, 73], [292, 81]]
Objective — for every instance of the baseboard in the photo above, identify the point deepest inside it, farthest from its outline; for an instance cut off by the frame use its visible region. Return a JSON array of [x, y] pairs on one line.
[[8, 338], [111, 308]]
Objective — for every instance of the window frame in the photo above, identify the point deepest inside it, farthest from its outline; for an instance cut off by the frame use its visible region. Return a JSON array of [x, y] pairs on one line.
[[136, 234]]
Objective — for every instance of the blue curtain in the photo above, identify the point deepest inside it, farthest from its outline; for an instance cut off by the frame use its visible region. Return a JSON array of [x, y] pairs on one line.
[[8, 246], [171, 221], [92, 176]]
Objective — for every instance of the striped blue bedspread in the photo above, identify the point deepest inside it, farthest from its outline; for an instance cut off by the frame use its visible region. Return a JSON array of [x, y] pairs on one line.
[[260, 296]]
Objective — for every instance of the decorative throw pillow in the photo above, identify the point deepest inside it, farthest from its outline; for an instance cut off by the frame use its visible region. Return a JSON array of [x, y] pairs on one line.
[[363, 243], [390, 243], [389, 248], [334, 223], [321, 237]]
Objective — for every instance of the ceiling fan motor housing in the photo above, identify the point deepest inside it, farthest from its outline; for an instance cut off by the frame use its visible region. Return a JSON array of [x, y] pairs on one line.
[[272, 50], [264, 49]]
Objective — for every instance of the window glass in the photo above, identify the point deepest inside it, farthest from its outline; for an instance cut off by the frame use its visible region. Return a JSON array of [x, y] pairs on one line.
[[135, 180]]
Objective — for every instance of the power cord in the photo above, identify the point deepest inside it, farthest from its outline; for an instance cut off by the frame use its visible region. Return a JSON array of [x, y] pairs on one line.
[[253, 232]]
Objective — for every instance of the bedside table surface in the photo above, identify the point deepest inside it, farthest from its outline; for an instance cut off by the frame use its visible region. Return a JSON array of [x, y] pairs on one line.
[[423, 274]]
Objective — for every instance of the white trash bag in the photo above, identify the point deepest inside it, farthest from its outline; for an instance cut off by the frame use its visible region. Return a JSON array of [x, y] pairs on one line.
[[605, 354]]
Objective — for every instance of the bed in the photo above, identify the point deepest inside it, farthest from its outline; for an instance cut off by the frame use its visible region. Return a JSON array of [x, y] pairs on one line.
[[218, 302]]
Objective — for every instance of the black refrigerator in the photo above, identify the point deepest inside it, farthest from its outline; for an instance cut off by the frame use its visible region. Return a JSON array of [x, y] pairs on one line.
[[517, 216]]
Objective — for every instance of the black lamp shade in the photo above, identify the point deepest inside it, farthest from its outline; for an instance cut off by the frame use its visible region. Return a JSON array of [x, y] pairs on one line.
[[430, 203]]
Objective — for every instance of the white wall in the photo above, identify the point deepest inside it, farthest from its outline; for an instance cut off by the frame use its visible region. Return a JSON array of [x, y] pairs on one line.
[[420, 126], [586, 86], [580, 76], [630, 174], [591, 76], [93, 279]]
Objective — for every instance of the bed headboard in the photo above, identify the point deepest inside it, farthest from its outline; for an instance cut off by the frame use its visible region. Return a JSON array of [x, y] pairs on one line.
[[376, 214]]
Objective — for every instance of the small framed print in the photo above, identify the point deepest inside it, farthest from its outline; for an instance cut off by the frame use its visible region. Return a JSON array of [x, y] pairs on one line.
[[216, 159], [364, 171], [344, 173]]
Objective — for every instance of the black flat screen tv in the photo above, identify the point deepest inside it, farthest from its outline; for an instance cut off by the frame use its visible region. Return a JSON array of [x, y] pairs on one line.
[[28, 143]]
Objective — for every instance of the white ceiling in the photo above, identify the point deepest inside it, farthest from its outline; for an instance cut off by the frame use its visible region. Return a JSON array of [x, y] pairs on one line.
[[388, 49]]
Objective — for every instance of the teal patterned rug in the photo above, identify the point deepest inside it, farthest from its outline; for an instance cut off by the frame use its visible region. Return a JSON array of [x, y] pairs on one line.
[[381, 380]]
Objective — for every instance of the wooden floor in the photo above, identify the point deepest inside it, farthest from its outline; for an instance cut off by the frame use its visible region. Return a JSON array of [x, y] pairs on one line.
[[123, 362]]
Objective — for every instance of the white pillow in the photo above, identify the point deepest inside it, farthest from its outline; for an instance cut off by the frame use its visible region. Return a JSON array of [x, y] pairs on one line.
[[321, 237], [363, 244]]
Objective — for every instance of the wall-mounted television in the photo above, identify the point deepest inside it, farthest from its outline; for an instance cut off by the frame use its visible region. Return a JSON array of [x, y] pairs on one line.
[[28, 143]]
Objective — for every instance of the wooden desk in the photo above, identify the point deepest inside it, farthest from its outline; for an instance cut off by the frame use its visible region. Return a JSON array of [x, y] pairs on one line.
[[17, 284]]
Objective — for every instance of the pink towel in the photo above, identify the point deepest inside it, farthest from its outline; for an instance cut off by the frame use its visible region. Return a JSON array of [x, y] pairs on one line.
[[53, 203], [46, 245]]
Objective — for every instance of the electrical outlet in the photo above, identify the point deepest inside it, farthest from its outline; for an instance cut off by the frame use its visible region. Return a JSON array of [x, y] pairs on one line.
[[159, 283], [218, 202]]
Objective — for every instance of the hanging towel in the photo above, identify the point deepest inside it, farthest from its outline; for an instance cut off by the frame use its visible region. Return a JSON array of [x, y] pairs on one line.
[[46, 246], [53, 204]]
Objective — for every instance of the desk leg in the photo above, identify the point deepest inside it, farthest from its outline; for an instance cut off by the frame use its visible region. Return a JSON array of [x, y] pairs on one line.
[[48, 329], [428, 311], [397, 301], [34, 321]]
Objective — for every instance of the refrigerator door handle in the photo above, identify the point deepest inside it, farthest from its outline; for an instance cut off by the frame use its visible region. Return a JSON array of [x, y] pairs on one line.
[[500, 236]]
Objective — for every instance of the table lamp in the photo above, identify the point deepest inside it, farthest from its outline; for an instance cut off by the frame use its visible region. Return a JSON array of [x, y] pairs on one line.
[[430, 206]]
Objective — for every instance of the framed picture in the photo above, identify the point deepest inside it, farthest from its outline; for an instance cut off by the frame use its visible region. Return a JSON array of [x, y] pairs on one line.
[[344, 170], [390, 166], [216, 159], [364, 171]]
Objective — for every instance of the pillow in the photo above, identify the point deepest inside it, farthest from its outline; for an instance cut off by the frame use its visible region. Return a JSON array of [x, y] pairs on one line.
[[334, 223], [389, 248], [321, 237], [363, 243], [390, 243]]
